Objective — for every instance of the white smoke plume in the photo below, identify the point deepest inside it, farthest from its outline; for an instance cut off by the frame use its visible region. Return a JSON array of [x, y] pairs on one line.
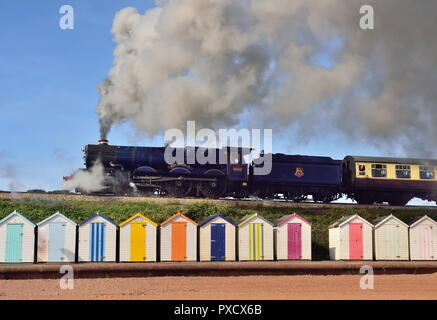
[[211, 60], [91, 180]]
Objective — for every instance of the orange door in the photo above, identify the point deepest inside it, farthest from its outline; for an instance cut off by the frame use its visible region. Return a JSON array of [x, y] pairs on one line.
[[178, 241]]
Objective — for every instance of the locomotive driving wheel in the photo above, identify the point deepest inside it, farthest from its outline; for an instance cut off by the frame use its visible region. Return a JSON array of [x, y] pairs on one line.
[[178, 188], [213, 189]]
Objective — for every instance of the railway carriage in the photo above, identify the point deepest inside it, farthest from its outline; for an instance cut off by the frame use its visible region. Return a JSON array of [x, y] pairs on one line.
[[393, 180]]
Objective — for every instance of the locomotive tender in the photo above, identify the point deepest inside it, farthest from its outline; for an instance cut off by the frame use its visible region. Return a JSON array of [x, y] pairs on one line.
[[364, 179]]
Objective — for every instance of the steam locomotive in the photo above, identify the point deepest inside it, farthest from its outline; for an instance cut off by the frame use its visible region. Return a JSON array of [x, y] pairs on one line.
[[366, 180]]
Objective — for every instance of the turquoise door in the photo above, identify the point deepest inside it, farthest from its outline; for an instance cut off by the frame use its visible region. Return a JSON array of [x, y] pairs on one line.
[[56, 241], [14, 242]]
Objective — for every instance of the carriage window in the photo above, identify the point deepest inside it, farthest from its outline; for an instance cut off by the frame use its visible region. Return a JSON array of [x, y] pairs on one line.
[[362, 170], [403, 172], [379, 170], [426, 172]]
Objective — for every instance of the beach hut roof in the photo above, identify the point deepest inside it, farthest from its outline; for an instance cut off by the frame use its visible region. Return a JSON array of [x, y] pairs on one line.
[[136, 216], [287, 217], [344, 220], [213, 217], [249, 217], [55, 215], [416, 221], [381, 220], [98, 214], [175, 216], [17, 214]]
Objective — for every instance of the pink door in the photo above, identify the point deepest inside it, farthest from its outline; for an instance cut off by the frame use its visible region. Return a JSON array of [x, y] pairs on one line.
[[356, 241], [294, 241]]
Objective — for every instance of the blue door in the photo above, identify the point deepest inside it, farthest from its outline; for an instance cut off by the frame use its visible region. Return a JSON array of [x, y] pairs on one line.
[[14, 242], [56, 241], [97, 241], [217, 242]]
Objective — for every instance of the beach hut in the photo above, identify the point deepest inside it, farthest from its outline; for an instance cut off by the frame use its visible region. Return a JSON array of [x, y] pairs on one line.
[[138, 239], [179, 239], [97, 239], [56, 239], [350, 238], [217, 239], [255, 238], [292, 238], [390, 237], [17, 239], [423, 239]]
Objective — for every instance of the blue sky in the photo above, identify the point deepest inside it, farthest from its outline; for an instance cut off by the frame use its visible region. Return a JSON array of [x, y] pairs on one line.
[[48, 79], [48, 95]]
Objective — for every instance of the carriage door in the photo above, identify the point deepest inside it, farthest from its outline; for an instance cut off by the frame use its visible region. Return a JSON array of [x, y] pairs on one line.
[[179, 241], [356, 241], [14, 242], [426, 243], [294, 241], [256, 241], [138, 241], [97, 242], [392, 248], [56, 241], [217, 242]]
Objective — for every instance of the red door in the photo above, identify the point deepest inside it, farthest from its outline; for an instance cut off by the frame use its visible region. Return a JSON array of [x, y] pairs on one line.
[[356, 241], [294, 241]]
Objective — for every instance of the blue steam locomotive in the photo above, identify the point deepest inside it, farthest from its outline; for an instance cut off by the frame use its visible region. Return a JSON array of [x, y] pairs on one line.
[[367, 180]]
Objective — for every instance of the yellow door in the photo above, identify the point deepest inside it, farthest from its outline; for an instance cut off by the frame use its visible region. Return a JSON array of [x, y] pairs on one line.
[[138, 241]]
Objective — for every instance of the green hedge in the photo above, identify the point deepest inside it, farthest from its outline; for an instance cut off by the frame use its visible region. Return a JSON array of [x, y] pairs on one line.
[[321, 218]]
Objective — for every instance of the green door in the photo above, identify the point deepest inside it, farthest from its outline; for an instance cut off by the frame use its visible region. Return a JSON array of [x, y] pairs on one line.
[[14, 242]]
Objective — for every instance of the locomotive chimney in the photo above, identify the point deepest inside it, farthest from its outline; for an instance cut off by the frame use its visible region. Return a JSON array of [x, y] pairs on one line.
[[103, 142]]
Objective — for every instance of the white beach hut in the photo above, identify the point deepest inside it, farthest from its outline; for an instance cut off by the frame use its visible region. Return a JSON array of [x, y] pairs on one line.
[[292, 238], [423, 239], [97, 239], [56, 239], [17, 239], [350, 238], [390, 238], [217, 239], [138, 239], [255, 238], [179, 239]]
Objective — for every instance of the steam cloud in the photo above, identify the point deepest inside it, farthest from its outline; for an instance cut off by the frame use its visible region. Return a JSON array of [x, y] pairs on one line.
[[89, 181], [211, 60]]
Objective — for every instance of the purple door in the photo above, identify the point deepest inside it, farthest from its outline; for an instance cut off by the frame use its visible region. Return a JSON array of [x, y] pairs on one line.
[[294, 241]]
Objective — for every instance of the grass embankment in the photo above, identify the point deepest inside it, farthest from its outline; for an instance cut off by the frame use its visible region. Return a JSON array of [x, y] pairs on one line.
[[321, 218]]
